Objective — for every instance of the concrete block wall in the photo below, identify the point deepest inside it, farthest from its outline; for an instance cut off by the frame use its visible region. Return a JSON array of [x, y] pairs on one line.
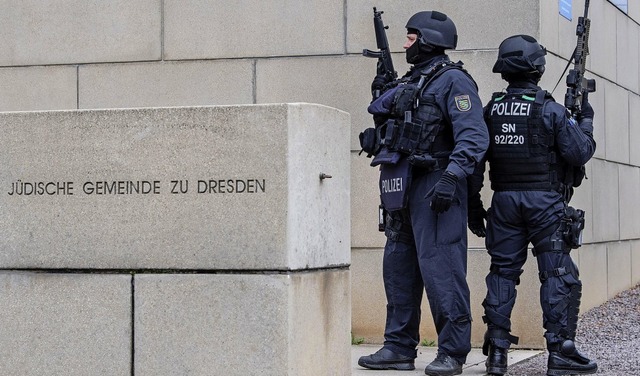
[[175, 241], [208, 52]]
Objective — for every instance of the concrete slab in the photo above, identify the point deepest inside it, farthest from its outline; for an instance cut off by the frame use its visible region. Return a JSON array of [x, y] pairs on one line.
[[293, 324], [603, 59], [38, 88], [634, 132], [196, 29], [523, 17], [65, 324], [176, 187], [184, 83], [616, 137], [605, 182], [38, 32]]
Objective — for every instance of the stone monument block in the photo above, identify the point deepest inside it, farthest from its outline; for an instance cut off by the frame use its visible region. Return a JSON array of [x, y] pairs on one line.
[[174, 241], [225, 188], [65, 324], [242, 324]]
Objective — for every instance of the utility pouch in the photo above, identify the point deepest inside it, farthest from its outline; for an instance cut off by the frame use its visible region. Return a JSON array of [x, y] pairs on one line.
[[423, 162], [369, 142], [579, 173], [574, 225], [409, 137]]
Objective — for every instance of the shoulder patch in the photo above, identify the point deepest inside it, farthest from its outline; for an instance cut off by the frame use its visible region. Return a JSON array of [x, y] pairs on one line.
[[463, 102]]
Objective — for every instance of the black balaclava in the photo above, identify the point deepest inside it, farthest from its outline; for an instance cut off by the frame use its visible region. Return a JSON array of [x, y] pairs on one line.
[[420, 52]]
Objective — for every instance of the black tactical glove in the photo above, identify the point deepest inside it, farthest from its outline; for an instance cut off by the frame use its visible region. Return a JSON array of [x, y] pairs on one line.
[[586, 112], [443, 192], [476, 216], [585, 116], [378, 83]]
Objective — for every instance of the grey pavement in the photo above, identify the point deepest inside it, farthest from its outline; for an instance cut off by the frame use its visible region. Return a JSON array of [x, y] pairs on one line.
[[608, 334], [474, 365]]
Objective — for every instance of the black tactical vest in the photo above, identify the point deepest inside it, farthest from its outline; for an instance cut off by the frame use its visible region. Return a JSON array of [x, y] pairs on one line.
[[417, 124], [521, 154]]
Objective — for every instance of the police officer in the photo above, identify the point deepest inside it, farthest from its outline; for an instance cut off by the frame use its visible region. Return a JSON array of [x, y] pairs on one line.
[[429, 136], [535, 158]]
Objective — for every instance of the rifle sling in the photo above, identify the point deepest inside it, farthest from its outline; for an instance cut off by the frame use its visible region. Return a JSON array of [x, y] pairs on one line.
[[565, 69]]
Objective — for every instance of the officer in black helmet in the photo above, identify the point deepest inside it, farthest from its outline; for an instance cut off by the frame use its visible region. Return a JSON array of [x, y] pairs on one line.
[[430, 135], [536, 158]]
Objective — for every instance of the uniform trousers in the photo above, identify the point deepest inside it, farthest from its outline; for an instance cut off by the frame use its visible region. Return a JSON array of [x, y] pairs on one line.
[[427, 251]]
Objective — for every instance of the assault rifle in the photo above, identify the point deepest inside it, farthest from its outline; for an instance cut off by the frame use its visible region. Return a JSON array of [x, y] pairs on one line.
[[385, 64], [578, 86]]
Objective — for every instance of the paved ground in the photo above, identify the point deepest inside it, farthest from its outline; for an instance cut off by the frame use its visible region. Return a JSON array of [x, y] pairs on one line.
[[474, 365], [608, 334]]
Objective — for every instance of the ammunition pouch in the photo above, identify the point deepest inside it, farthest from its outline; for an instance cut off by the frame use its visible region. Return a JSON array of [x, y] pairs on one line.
[[370, 142], [409, 135], [406, 136], [396, 227]]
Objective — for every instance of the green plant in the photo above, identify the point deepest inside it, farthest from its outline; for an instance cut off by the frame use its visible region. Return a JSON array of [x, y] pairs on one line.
[[428, 343], [356, 340]]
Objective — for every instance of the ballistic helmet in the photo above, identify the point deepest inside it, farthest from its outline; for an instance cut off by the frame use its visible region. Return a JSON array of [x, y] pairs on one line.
[[520, 54], [434, 29]]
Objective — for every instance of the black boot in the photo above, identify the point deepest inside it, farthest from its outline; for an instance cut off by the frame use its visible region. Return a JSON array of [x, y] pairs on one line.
[[565, 359], [386, 359], [496, 345], [443, 365], [496, 361]]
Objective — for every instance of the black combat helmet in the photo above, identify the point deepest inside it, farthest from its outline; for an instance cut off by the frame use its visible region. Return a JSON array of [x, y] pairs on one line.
[[434, 29], [520, 54]]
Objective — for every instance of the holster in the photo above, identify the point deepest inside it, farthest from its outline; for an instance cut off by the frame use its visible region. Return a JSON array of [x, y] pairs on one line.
[[574, 224]]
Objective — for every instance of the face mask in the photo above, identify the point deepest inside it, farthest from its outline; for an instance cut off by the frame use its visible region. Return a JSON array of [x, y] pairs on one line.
[[418, 53], [413, 53]]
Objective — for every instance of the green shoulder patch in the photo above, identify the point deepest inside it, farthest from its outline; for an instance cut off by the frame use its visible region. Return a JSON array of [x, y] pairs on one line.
[[463, 102]]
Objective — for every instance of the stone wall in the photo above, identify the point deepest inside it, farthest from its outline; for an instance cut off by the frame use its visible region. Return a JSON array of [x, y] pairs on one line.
[[208, 52], [174, 241]]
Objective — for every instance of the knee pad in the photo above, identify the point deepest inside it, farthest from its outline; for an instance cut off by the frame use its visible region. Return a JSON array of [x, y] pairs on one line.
[[568, 307]]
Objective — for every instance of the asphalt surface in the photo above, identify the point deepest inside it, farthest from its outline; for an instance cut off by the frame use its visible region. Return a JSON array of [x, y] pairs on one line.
[[608, 334]]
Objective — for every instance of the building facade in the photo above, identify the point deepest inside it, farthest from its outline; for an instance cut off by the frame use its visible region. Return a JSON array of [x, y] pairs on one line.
[[69, 54]]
